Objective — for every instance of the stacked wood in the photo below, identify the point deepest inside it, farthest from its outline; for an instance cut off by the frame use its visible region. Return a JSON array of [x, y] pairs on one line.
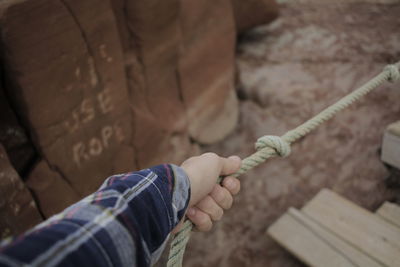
[[332, 231], [391, 145], [390, 212]]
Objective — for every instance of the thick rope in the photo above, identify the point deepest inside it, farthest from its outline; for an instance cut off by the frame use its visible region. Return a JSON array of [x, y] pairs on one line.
[[272, 146]]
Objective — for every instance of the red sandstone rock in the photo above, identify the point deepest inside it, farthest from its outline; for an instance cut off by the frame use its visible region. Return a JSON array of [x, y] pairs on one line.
[[251, 13], [53, 193], [206, 68], [18, 211], [71, 86], [153, 56], [13, 136], [118, 7], [153, 33]]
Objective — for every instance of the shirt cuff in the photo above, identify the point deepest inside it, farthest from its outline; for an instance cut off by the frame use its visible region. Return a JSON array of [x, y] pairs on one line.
[[181, 193]]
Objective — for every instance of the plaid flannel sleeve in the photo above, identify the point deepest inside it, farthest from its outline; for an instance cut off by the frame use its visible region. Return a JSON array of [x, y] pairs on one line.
[[125, 223]]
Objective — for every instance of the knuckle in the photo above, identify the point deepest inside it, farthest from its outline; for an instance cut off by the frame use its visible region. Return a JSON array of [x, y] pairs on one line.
[[219, 194], [202, 218], [206, 204], [204, 223], [210, 207], [218, 215], [229, 202], [232, 184], [205, 227], [228, 199], [222, 197]]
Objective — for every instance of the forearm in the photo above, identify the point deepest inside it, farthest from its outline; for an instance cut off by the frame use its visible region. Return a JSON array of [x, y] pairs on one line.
[[126, 222]]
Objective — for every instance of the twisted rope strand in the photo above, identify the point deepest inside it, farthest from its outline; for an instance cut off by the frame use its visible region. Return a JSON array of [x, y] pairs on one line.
[[272, 146]]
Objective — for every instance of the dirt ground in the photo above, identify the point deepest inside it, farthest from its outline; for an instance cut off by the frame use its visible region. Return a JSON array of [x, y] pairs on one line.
[[288, 71]]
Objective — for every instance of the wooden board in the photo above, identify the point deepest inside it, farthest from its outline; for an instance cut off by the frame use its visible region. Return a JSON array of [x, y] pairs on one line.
[[304, 244], [362, 229], [314, 244], [391, 145], [390, 212]]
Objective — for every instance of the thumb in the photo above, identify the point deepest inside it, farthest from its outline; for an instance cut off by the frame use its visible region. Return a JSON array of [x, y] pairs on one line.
[[203, 172]]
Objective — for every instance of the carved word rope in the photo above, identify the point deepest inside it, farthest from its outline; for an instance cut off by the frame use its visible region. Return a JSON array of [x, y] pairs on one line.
[[272, 146]]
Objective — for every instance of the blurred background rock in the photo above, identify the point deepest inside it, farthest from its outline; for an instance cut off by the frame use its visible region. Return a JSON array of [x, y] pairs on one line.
[[92, 88]]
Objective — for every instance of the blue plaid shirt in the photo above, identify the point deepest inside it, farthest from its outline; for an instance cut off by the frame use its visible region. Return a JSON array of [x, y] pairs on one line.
[[125, 223]]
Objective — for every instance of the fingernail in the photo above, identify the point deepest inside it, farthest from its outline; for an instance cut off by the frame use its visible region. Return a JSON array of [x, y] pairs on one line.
[[191, 211]]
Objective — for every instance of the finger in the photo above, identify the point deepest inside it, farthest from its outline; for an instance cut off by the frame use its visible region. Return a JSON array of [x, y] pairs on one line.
[[222, 197], [178, 227], [209, 206], [232, 184], [201, 220], [230, 165]]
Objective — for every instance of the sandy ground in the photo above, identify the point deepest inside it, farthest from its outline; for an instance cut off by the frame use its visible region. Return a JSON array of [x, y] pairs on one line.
[[288, 71]]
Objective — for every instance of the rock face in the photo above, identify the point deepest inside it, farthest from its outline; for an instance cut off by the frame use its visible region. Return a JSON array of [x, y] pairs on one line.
[[93, 88], [206, 69], [18, 211], [52, 192], [251, 13], [151, 51], [311, 56], [73, 96], [14, 137]]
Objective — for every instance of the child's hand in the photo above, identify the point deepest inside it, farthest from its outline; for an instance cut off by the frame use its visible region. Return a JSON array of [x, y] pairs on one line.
[[208, 199]]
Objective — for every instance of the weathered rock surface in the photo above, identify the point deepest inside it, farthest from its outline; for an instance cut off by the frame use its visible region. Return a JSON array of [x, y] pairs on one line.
[[172, 94], [151, 34], [206, 69], [73, 96], [13, 136], [251, 13], [289, 71], [52, 192], [18, 211]]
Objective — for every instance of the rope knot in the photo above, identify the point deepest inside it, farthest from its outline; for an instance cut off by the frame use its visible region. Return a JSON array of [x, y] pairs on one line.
[[281, 147], [394, 73]]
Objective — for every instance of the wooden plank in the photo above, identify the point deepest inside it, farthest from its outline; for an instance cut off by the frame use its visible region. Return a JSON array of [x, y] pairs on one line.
[[357, 226], [390, 212], [353, 254], [391, 145], [304, 244], [394, 128], [391, 149]]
